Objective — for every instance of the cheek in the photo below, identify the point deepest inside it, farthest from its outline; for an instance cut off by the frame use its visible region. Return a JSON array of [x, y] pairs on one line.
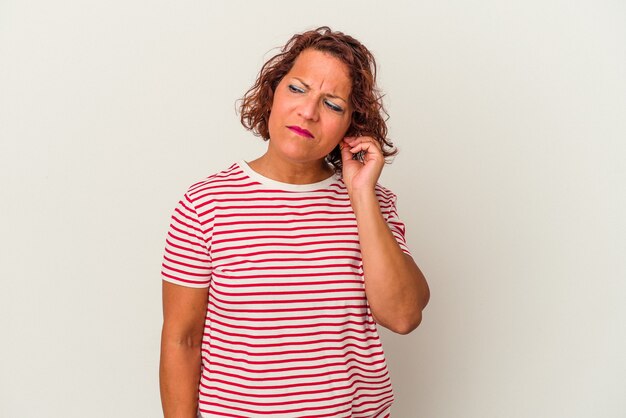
[[342, 127], [275, 114], [279, 107]]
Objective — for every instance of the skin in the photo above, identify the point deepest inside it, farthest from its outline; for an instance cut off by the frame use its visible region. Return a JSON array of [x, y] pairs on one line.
[[304, 98], [314, 95], [184, 309]]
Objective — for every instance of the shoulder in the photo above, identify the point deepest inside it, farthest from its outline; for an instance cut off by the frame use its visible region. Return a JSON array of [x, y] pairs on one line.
[[212, 183], [385, 194]]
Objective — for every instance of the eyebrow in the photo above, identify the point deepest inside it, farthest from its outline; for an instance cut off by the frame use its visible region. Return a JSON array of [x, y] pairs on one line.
[[332, 96]]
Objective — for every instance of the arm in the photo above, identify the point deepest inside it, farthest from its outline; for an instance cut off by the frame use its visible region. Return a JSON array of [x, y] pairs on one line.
[[184, 311], [395, 288]]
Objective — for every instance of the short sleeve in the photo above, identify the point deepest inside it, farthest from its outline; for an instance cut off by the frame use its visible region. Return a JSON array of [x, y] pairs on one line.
[[186, 259], [390, 212]]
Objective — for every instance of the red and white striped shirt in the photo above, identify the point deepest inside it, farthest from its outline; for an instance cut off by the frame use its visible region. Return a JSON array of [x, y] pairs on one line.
[[288, 330]]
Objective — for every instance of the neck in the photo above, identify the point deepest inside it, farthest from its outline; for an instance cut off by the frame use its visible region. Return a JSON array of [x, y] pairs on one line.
[[291, 172]]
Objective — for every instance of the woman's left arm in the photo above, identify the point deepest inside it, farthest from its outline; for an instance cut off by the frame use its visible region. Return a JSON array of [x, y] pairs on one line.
[[395, 288]]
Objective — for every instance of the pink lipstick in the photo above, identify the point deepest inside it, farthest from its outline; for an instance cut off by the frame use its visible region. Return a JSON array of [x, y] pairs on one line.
[[301, 131]]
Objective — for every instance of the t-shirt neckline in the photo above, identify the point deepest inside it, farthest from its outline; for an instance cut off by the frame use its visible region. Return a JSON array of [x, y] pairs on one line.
[[285, 186]]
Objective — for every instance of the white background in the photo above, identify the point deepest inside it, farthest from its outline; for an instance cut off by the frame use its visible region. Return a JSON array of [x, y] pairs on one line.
[[510, 118]]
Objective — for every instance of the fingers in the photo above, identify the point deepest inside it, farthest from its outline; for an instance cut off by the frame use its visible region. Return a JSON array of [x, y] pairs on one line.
[[345, 151], [366, 144]]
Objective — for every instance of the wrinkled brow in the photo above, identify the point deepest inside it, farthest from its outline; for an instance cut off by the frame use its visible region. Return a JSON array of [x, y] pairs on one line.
[[332, 96]]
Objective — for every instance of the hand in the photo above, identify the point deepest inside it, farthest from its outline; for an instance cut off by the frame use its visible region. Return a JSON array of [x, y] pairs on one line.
[[357, 175]]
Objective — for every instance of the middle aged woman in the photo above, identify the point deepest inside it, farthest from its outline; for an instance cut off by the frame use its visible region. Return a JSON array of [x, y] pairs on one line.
[[276, 271]]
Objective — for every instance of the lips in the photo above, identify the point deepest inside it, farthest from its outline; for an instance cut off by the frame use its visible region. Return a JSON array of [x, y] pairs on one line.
[[300, 131]]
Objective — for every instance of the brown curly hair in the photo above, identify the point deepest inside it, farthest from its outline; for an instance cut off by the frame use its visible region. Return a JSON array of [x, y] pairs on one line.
[[368, 116]]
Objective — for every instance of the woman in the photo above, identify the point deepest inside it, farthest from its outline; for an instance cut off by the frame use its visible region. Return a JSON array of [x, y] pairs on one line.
[[277, 270]]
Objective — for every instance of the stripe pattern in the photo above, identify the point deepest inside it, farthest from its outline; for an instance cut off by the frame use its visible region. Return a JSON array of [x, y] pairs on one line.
[[288, 331]]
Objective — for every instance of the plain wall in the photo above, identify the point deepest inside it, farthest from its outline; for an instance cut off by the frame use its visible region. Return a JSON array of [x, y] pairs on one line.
[[509, 117]]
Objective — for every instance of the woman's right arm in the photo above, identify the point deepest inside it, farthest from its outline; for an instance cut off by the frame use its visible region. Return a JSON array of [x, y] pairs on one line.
[[184, 312]]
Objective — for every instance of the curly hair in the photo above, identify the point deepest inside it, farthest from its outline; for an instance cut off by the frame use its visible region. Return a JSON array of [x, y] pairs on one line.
[[368, 116]]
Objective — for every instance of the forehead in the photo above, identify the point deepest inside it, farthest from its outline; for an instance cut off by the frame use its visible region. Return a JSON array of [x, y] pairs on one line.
[[322, 71]]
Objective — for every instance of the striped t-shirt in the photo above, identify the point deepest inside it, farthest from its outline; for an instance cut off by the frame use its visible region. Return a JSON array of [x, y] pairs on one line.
[[288, 330]]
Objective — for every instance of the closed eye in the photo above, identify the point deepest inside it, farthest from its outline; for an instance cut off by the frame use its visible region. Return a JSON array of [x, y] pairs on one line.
[[295, 89], [333, 106]]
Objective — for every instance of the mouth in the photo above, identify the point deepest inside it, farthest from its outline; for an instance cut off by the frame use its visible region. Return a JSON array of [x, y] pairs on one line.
[[300, 131]]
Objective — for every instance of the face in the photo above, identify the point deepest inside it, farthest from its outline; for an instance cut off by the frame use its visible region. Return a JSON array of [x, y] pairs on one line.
[[310, 112]]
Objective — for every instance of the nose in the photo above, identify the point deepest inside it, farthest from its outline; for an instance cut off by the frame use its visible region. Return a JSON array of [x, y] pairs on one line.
[[308, 109]]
